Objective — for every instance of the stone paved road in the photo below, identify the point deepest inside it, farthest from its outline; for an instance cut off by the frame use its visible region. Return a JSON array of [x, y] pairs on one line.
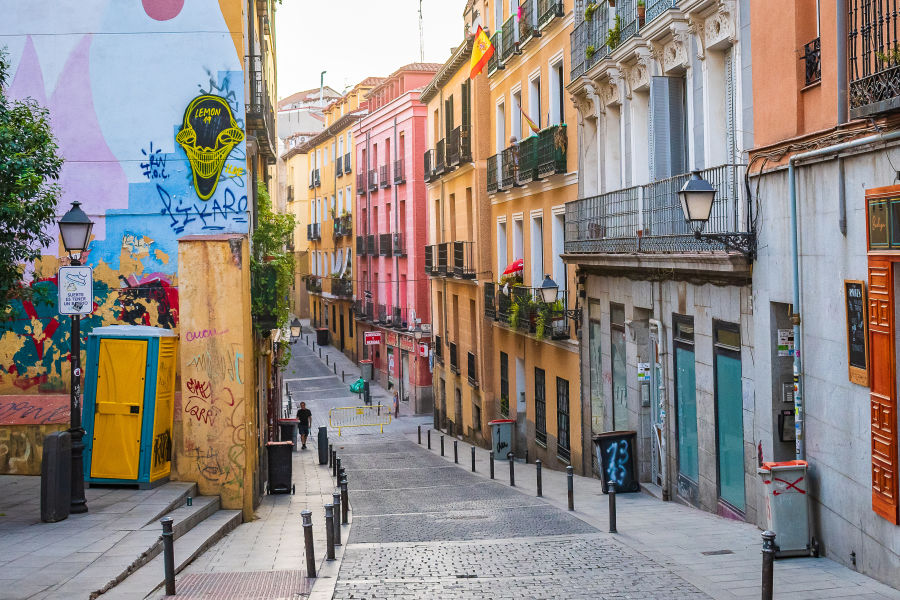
[[423, 530]]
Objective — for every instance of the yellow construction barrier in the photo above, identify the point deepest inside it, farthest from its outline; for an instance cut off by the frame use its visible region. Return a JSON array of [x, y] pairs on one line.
[[359, 416]]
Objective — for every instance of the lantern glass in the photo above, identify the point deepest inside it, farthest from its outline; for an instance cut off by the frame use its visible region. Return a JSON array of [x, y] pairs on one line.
[[697, 197], [549, 289], [75, 229]]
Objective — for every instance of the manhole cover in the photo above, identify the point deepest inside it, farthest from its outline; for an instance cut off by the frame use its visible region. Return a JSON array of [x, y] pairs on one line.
[[716, 552], [253, 585]]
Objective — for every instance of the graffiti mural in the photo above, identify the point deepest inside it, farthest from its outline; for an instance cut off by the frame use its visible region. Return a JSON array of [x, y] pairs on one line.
[[208, 135]]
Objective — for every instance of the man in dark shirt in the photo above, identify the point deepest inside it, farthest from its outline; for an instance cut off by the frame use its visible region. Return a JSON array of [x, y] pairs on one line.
[[304, 416]]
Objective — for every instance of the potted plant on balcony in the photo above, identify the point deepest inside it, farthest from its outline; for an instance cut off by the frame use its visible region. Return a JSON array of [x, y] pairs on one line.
[[641, 12], [614, 35], [589, 53], [589, 11]]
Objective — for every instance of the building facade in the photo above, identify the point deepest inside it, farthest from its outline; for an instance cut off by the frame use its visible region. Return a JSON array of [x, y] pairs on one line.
[[392, 297]]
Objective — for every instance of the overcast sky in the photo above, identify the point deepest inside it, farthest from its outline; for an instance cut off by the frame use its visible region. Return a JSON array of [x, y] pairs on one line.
[[355, 39]]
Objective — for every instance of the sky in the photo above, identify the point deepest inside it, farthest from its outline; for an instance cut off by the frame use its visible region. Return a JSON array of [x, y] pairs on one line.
[[355, 39]]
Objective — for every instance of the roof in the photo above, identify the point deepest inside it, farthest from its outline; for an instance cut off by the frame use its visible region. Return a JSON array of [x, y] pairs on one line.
[[307, 96], [457, 59], [330, 131]]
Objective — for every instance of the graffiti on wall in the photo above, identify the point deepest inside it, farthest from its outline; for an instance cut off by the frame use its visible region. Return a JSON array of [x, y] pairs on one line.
[[208, 135]]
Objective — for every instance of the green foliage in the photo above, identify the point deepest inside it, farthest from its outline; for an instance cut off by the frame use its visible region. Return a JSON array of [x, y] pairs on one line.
[[513, 279], [589, 11], [891, 57], [614, 35], [590, 51], [271, 266], [515, 311], [29, 166], [504, 407], [541, 322]]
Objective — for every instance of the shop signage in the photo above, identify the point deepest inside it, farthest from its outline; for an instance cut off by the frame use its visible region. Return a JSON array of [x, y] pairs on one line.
[[406, 343], [423, 349], [372, 338], [857, 331], [391, 338]]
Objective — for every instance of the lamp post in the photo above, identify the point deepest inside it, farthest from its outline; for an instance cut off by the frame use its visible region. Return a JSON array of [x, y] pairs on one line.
[[296, 330], [550, 290], [697, 197], [75, 231]]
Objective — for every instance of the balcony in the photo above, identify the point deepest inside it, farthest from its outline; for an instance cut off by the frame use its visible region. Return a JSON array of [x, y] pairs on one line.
[[398, 320], [370, 311], [649, 219], [454, 359], [339, 166], [551, 150], [874, 58], [471, 369], [342, 287], [313, 284], [429, 166], [360, 184], [371, 248], [528, 23], [490, 301], [494, 62], [314, 179], [528, 160], [343, 225], [463, 259], [440, 158], [549, 10], [373, 180], [438, 349], [493, 172], [260, 113], [812, 61], [459, 147], [384, 176], [588, 40], [385, 244], [347, 169], [399, 171], [382, 315], [360, 245], [522, 308], [441, 259], [430, 262], [509, 162], [398, 244], [509, 39], [313, 232]]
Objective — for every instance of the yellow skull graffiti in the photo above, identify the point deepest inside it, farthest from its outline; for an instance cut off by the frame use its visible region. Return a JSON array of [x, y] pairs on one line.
[[208, 134]]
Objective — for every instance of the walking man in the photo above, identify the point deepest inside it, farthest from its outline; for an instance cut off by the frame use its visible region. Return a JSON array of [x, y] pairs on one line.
[[304, 418]]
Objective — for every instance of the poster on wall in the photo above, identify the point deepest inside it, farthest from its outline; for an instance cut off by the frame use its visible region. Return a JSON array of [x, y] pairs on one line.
[[857, 331], [785, 342]]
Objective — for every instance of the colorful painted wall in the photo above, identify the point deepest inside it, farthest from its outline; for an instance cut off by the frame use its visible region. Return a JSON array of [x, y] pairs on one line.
[[147, 103]]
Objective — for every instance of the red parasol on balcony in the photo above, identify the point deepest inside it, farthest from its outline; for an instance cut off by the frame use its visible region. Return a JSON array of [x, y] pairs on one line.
[[516, 266]]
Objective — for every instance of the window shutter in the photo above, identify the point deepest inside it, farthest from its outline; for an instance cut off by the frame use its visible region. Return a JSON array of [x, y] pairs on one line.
[[466, 101], [667, 153], [448, 116]]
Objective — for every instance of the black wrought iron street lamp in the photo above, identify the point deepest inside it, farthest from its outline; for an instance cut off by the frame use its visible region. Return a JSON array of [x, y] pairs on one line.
[[75, 231], [549, 291], [697, 197], [296, 330]]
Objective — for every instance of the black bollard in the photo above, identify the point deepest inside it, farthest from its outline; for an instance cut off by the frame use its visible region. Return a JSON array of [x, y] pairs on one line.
[[512, 470], [320, 352], [540, 486], [345, 501], [337, 465], [429, 439], [768, 564], [526, 456], [342, 376], [611, 492], [326, 360], [336, 503], [168, 555], [492, 463], [420, 434], [455, 452], [570, 477], [473, 459], [342, 474], [329, 531], [330, 455], [308, 539], [334, 368], [442, 444]]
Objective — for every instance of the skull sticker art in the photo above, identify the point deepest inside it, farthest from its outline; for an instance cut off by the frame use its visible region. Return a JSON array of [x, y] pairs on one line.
[[208, 135]]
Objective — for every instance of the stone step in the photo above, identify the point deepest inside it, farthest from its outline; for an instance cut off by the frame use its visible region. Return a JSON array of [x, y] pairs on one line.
[[192, 544]]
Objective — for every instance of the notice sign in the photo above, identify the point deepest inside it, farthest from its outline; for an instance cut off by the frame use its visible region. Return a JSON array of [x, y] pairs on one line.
[[785, 342], [857, 331], [372, 338], [76, 290]]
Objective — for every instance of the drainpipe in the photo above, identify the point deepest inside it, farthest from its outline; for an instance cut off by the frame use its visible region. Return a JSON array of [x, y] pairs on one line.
[[800, 450]]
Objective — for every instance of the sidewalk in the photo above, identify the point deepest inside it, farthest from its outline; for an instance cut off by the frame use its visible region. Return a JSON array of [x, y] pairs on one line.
[[719, 556]]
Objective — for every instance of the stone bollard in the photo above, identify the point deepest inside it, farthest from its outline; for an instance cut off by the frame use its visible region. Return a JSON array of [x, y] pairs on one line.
[[540, 487], [168, 537], [512, 469], [455, 452], [570, 481], [345, 501], [329, 531], [768, 564], [611, 492], [308, 539], [473, 459], [336, 503]]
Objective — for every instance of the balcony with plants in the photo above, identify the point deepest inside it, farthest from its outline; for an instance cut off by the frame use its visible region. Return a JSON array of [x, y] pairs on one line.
[[342, 285], [313, 284], [343, 225], [523, 309], [534, 158], [526, 24]]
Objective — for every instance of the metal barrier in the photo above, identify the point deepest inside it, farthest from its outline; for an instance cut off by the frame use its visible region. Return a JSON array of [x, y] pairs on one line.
[[359, 416]]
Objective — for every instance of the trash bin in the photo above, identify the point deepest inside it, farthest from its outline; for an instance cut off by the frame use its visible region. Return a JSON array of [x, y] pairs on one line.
[[501, 437], [280, 477], [323, 445], [787, 507], [616, 453], [56, 477], [365, 369], [289, 430], [322, 336]]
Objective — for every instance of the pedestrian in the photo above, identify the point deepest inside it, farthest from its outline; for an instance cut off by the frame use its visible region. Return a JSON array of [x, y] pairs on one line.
[[396, 405], [304, 418]]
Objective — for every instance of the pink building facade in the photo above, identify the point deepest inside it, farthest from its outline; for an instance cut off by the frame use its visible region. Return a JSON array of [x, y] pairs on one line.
[[392, 294]]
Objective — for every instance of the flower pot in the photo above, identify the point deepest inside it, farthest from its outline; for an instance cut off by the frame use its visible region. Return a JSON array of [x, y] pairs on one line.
[[641, 12]]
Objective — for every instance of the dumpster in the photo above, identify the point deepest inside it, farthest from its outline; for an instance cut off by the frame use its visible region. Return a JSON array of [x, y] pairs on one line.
[[129, 405], [322, 336], [616, 453], [365, 369], [787, 507], [288, 429], [501, 437], [56, 477], [280, 476], [323, 445]]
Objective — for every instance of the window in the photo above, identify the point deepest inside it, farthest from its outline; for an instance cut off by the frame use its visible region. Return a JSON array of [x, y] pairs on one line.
[[340, 203], [501, 248], [563, 449], [557, 95], [534, 100], [518, 240], [536, 265], [516, 116], [501, 127], [540, 407], [504, 385], [558, 243]]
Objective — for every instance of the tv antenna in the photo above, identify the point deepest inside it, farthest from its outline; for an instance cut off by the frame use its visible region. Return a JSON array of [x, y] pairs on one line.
[[421, 35]]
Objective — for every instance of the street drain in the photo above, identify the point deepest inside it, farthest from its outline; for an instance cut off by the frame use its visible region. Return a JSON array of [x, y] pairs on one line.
[[716, 552]]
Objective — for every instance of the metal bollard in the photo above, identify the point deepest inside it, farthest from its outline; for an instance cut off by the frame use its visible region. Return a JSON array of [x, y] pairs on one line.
[[329, 531], [442, 444], [342, 474], [336, 503], [307, 537], [492, 463], [512, 470], [429, 439], [526, 456], [326, 360], [334, 368], [420, 434], [337, 464], [473, 459], [570, 477], [540, 485], [611, 492], [768, 563], [330, 454], [168, 555], [320, 351], [345, 501], [342, 376], [455, 452]]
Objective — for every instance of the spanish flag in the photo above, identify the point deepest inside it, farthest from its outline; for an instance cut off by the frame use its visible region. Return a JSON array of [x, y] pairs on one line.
[[531, 123], [482, 51]]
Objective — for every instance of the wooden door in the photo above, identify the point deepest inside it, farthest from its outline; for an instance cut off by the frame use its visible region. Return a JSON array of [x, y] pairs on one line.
[[883, 388]]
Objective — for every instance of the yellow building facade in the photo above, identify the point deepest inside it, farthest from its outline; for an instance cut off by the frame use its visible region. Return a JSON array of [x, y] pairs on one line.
[[296, 177]]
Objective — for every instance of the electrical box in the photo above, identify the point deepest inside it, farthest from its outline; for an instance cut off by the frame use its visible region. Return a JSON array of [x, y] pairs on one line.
[[129, 405]]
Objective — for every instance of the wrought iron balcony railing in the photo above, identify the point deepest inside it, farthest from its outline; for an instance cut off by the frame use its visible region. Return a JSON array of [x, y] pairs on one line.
[[549, 10], [385, 246], [343, 225], [382, 314], [398, 244], [440, 158], [509, 163], [339, 166], [430, 261], [313, 232], [509, 39], [493, 174], [656, 8], [528, 23], [528, 160], [490, 301], [313, 284], [361, 184], [260, 113], [588, 40], [463, 259], [471, 369], [459, 146], [373, 180], [873, 53], [438, 349], [429, 166], [649, 218], [342, 287], [494, 62], [812, 61], [399, 171], [384, 176], [524, 309], [371, 242], [347, 169], [360, 245], [441, 259], [551, 151], [454, 359], [370, 311], [452, 149]]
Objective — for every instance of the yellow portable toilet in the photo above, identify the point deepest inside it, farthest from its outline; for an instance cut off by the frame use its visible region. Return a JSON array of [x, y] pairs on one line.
[[129, 405]]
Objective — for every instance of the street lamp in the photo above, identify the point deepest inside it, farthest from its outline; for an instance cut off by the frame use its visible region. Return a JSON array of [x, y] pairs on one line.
[[296, 330], [697, 197], [549, 290], [75, 231]]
